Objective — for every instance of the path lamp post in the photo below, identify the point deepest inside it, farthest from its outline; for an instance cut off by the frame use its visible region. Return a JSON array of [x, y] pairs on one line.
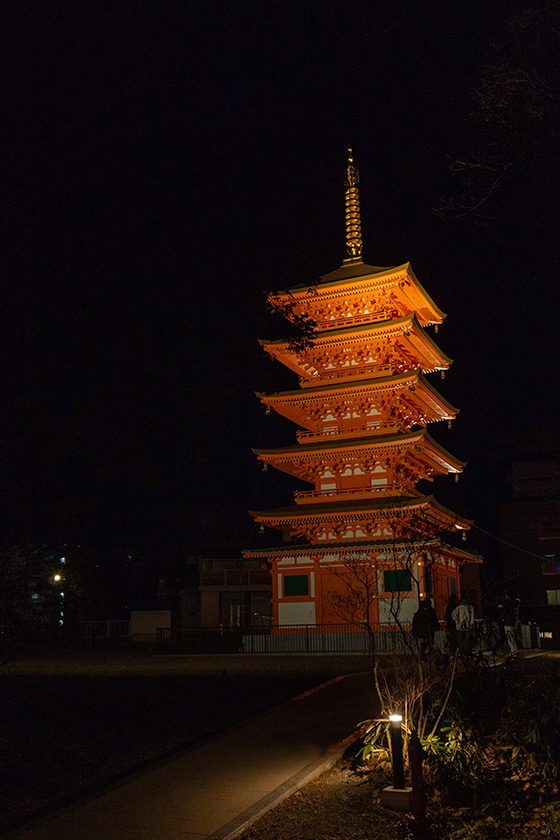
[[396, 796], [397, 751]]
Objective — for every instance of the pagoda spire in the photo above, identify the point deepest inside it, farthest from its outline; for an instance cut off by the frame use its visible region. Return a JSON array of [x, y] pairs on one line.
[[352, 206]]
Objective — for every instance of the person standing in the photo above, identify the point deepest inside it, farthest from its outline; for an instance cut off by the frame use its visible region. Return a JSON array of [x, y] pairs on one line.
[[424, 625], [463, 616], [510, 618], [450, 625]]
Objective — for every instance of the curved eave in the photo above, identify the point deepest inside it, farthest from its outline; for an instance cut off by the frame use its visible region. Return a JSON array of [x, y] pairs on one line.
[[436, 396], [348, 272], [360, 509], [407, 328], [359, 331], [335, 509], [316, 394], [358, 445], [354, 271], [463, 556], [358, 273], [350, 546], [447, 456], [347, 547]]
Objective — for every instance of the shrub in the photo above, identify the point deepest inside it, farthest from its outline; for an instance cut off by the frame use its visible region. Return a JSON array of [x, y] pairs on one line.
[[499, 748]]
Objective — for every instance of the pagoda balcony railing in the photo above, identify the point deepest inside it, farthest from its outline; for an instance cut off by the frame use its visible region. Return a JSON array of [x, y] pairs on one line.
[[361, 431], [235, 577], [350, 320], [308, 496], [370, 371]]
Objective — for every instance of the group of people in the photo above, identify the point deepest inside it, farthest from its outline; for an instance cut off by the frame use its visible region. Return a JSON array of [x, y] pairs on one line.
[[460, 624]]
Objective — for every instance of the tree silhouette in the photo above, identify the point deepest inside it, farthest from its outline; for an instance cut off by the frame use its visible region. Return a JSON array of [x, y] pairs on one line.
[[514, 124]]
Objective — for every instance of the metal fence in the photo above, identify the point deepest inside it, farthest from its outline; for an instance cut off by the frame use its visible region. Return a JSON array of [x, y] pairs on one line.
[[326, 638], [303, 638]]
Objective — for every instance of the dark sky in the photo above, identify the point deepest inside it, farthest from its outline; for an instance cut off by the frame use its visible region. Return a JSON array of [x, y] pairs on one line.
[[164, 164]]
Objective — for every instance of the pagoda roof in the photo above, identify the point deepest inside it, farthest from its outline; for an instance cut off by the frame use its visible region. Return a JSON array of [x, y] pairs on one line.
[[361, 509], [379, 385], [341, 446], [353, 269], [359, 331], [359, 545], [355, 275], [429, 356]]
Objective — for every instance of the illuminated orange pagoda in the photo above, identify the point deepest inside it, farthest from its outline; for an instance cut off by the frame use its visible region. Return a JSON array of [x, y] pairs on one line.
[[363, 405]]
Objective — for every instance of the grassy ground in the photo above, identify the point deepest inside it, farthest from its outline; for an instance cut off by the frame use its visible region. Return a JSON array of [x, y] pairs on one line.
[[72, 722]]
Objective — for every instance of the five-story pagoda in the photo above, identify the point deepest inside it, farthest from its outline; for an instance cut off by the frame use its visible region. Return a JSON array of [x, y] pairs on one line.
[[364, 404]]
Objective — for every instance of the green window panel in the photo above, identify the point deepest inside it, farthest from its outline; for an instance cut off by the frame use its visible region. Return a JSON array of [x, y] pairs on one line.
[[429, 581], [397, 580], [296, 585]]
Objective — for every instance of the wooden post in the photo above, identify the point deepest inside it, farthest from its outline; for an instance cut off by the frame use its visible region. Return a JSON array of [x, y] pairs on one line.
[[418, 796]]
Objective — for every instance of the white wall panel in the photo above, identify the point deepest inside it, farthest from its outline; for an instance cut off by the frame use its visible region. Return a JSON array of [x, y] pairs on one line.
[[302, 612]]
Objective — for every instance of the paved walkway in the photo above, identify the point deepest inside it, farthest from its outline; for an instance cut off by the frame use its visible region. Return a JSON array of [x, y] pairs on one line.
[[217, 790]]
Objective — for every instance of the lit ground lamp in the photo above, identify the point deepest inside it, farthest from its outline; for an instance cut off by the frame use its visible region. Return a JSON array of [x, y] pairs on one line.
[[397, 797], [397, 751]]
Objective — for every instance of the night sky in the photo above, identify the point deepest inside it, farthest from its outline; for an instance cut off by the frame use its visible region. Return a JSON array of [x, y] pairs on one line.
[[164, 165]]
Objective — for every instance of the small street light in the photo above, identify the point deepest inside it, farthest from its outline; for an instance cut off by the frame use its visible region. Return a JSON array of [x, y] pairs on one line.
[[397, 751], [397, 796]]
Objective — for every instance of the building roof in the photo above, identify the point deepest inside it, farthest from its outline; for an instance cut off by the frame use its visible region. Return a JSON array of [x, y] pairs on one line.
[[414, 348], [354, 276], [342, 445], [361, 508], [376, 383], [352, 269], [420, 391], [359, 331], [358, 545]]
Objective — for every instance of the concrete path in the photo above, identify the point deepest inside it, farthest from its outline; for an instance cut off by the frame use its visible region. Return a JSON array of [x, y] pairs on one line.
[[219, 789]]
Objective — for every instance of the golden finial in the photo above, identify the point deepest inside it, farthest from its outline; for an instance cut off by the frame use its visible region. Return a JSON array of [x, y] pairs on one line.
[[352, 202]]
